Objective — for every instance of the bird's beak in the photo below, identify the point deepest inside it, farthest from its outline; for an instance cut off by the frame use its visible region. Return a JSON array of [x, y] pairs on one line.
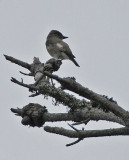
[[65, 37]]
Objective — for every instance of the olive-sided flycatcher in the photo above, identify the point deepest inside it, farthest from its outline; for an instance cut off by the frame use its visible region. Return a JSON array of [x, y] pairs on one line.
[[57, 48]]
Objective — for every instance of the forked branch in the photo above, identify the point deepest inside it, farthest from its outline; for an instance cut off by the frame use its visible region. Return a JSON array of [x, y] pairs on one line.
[[97, 107]]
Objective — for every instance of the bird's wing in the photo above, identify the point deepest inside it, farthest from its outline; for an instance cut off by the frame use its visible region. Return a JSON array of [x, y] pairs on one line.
[[63, 47]]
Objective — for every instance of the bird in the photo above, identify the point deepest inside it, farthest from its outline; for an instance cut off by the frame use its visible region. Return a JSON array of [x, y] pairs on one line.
[[57, 48]]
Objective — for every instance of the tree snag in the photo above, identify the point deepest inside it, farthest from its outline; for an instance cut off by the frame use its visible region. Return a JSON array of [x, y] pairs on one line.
[[92, 106]]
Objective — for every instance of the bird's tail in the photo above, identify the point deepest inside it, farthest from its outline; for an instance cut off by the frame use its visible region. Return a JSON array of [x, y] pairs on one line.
[[73, 60]]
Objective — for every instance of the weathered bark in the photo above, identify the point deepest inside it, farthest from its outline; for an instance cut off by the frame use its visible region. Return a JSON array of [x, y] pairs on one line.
[[97, 107]]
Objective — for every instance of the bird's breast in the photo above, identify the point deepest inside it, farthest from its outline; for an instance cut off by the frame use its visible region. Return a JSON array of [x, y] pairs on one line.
[[56, 51], [52, 51]]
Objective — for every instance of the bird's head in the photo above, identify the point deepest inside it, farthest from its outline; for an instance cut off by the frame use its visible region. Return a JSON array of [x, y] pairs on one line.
[[57, 34]]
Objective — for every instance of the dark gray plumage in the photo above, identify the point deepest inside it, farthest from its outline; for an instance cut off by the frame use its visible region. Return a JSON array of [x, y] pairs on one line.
[[57, 48]]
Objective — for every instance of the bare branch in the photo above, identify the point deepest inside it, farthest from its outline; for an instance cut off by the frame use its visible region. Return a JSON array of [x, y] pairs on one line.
[[16, 61], [26, 74], [73, 127], [31, 87], [34, 95], [89, 133], [75, 142], [82, 122]]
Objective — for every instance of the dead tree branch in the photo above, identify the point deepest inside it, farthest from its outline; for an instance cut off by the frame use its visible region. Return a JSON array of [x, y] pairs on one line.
[[75, 87], [80, 115], [88, 133], [16, 61], [57, 93], [97, 107]]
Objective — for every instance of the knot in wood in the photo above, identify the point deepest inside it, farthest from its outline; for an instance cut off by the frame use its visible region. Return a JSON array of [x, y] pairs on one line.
[[52, 65], [32, 115]]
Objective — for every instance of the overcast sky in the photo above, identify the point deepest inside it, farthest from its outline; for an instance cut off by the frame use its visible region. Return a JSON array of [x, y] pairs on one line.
[[98, 32]]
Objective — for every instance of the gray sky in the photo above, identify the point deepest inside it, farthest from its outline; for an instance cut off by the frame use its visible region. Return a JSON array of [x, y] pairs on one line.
[[98, 36]]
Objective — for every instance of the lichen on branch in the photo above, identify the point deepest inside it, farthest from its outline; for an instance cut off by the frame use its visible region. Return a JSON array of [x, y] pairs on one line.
[[90, 106]]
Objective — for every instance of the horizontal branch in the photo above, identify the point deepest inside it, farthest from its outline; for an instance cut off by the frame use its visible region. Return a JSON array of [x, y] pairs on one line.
[[88, 133], [82, 115], [35, 111]]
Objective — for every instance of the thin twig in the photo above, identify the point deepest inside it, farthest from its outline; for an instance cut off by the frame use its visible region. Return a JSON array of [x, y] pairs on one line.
[[34, 95], [26, 74], [85, 122], [73, 127], [23, 84], [75, 142]]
